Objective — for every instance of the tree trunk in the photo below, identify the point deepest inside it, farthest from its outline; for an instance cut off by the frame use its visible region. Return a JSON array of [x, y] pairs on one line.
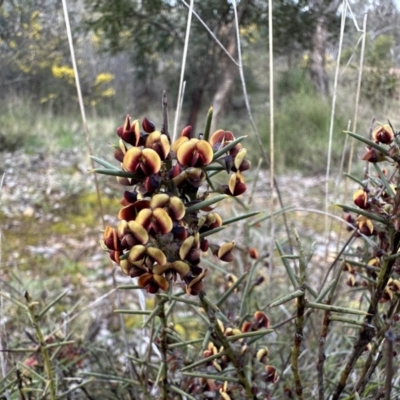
[[318, 73], [222, 96], [196, 99], [318, 45]]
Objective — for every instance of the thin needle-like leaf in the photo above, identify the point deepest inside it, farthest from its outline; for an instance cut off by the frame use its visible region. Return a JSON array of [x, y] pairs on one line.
[[207, 127], [16, 302], [114, 172], [229, 146], [369, 142], [240, 217], [365, 213], [353, 178], [286, 298], [212, 377], [151, 316], [342, 310], [384, 180], [52, 303], [104, 163], [287, 266], [206, 203], [230, 290]]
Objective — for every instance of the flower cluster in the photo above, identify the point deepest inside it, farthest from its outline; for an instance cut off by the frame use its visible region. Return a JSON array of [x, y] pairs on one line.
[[378, 217], [219, 360], [166, 215]]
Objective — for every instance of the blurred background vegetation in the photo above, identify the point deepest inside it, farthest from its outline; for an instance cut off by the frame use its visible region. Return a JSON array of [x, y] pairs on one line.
[[129, 51]]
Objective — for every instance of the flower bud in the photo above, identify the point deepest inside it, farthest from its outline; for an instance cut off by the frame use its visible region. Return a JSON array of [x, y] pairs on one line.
[[383, 134], [253, 253], [360, 198], [271, 375], [148, 126], [262, 354]]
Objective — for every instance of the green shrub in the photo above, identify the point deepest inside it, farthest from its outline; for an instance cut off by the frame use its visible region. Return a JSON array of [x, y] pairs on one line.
[[378, 84], [301, 133]]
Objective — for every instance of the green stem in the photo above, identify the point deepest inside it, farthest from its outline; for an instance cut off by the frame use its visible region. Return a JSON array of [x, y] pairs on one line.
[[35, 319], [227, 347], [300, 320], [368, 332], [163, 347]]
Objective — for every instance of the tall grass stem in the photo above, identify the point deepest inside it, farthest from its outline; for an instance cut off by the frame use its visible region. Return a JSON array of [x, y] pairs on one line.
[[357, 100], [2, 358], [81, 105], [212, 34], [331, 124], [184, 57], [271, 132]]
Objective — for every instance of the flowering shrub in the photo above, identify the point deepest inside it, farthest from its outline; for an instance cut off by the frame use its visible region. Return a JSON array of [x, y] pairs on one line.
[[375, 269], [165, 220], [166, 215]]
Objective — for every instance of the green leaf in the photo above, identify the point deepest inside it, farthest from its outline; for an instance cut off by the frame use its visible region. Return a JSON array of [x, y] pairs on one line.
[[369, 142], [228, 147], [134, 312], [284, 299], [240, 217], [325, 291], [16, 302], [353, 178], [180, 299], [346, 320], [259, 333], [211, 232], [115, 172], [209, 181], [342, 310], [202, 361], [181, 392], [245, 298], [104, 163], [212, 377], [391, 257], [275, 214], [208, 123], [388, 188], [288, 268], [212, 200], [214, 167], [363, 212], [110, 378], [52, 303], [153, 314], [184, 344], [230, 290], [129, 287]]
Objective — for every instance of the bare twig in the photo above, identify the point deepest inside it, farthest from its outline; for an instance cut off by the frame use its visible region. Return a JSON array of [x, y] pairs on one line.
[[163, 347], [390, 337], [300, 320], [164, 128]]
